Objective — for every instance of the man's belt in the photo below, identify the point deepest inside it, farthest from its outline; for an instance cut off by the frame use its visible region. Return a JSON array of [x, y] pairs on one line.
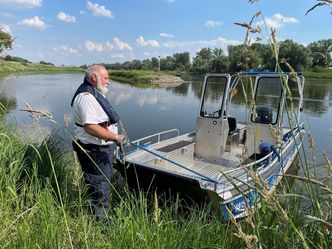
[[102, 124], [77, 144]]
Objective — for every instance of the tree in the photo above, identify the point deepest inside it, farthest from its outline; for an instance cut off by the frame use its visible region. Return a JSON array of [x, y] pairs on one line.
[[147, 64], [267, 58], [182, 61], [321, 52], [167, 63], [296, 55], [15, 58], [242, 57], [219, 61], [201, 63], [155, 63], [136, 65], [46, 63], [126, 65], [6, 41]]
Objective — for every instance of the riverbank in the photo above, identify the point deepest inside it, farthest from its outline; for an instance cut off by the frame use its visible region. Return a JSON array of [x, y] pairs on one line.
[[145, 77], [128, 76], [318, 73], [15, 68]]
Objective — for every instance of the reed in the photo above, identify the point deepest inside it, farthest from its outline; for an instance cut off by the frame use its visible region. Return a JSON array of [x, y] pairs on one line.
[[297, 217]]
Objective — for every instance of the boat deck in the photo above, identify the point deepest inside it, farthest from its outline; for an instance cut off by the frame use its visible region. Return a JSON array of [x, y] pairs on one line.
[[181, 151]]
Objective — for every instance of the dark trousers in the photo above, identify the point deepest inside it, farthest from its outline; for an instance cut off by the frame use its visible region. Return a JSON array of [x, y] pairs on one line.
[[97, 170]]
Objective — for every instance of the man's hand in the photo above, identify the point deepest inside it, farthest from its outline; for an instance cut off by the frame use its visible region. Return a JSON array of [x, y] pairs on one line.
[[120, 139]]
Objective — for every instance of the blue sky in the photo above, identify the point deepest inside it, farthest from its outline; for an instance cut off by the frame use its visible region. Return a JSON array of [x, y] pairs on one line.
[[77, 32]]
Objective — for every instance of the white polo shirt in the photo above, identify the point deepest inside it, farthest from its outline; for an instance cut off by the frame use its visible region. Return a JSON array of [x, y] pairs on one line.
[[87, 110]]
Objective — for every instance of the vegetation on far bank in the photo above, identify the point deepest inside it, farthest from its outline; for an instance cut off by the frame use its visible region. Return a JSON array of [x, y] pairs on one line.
[[314, 58], [128, 76], [318, 73], [22, 66], [17, 67], [144, 77]]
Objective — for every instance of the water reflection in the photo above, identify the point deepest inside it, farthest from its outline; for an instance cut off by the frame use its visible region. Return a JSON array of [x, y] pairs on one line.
[[317, 97]]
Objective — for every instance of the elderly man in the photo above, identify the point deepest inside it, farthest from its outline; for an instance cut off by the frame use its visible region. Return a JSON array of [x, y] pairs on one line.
[[95, 130]]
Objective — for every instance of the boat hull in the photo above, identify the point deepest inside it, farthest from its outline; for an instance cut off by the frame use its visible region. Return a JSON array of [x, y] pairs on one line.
[[140, 177], [238, 205]]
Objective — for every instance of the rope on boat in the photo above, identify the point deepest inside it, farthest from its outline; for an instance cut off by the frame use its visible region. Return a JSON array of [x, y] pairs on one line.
[[173, 162]]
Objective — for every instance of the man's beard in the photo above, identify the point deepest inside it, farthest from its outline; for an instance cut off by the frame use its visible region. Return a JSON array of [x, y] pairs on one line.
[[100, 87]]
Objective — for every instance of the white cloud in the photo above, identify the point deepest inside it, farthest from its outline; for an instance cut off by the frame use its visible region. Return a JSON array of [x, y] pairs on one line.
[[99, 10], [122, 96], [148, 43], [20, 3], [285, 19], [166, 35], [5, 28], [143, 100], [33, 22], [93, 46], [277, 21], [109, 45], [220, 41], [212, 24], [65, 17], [118, 56], [120, 45], [66, 49]]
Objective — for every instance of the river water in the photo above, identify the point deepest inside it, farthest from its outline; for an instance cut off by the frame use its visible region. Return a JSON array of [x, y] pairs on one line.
[[143, 111]]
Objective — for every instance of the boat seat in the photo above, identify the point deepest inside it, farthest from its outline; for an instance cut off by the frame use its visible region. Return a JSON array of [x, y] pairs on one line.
[[232, 133], [232, 125]]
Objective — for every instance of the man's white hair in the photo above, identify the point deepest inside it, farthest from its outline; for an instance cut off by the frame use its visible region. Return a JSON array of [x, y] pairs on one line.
[[93, 69]]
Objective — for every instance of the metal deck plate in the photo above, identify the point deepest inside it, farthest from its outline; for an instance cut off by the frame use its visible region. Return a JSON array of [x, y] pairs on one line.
[[175, 146]]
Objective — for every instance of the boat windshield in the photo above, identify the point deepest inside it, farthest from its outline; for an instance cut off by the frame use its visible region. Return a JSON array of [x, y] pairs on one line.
[[267, 99], [213, 97]]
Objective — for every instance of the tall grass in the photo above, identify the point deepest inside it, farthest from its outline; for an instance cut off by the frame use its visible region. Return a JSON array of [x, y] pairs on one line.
[[43, 205], [298, 218]]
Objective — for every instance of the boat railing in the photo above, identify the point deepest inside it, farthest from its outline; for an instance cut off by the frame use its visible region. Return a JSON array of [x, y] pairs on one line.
[[149, 140], [266, 160], [158, 137]]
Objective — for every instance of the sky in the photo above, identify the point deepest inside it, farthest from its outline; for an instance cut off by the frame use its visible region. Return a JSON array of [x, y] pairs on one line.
[[80, 32]]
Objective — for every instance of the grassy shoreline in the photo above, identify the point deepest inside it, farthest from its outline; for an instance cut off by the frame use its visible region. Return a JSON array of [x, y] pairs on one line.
[[14, 68], [128, 76], [318, 74], [144, 77]]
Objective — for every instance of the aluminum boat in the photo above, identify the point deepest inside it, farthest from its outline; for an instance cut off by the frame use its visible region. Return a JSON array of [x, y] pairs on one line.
[[248, 133]]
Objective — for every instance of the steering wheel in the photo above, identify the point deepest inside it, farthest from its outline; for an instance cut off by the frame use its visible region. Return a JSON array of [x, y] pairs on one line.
[[216, 114]]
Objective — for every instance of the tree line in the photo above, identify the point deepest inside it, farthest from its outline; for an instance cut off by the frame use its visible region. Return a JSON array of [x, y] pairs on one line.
[[258, 56]]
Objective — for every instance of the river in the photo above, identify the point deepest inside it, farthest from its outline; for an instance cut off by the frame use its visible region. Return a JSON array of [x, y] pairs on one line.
[[143, 111]]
